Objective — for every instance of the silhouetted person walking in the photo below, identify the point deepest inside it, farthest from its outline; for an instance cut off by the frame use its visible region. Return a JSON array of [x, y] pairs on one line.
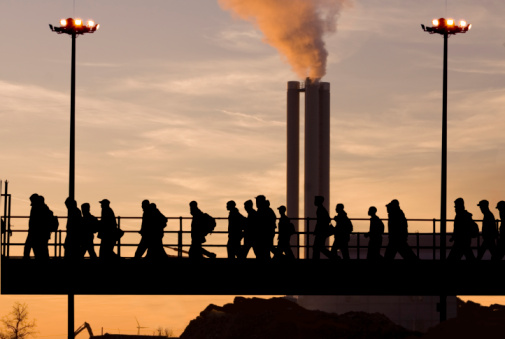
[[375, 235], [250, 230], [267, 223], [286, 230], [146, 230], [322, 229], [398, 233], [236, 223], [108, 231], [200, 227], [464, 226], [74, 230], [159, 221], [40, 225], [500, 250], [489, 231], [90, 225], [343, 230]]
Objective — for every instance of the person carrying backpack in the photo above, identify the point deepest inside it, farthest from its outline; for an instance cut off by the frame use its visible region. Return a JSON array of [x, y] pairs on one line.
[[201, 225], [489, 231], [343, 230], [464, 231]]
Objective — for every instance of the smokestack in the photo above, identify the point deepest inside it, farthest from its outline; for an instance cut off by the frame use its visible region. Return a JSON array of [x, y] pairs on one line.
[[293, 155], [316, 152], [311, 156], [324, 142]]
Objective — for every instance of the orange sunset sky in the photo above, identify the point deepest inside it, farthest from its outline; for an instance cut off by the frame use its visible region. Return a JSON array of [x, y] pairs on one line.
[[185, 100]]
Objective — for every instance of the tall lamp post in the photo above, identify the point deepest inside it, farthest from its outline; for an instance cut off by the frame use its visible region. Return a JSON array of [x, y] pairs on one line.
[[445, 27], [73, 27]]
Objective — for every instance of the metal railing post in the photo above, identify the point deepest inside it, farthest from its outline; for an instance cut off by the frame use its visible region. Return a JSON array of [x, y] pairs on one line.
[[307, 245], [434, 239], [59, 243], [298, 242], [119, 240], [357, 244], [417, 241], [179, 239]]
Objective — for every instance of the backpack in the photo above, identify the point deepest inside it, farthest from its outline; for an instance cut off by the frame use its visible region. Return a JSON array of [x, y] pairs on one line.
[[291, 229], [474, 228], [209, 224], [53, 223]]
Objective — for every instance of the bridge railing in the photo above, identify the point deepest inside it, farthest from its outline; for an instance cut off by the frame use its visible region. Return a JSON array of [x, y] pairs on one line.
[[425, 242]]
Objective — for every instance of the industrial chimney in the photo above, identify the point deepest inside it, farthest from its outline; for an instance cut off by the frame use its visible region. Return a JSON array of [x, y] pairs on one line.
[[316, 150]]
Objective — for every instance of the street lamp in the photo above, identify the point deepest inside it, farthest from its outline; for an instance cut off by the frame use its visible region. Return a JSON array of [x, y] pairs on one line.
[[73, 27], [445, 27]]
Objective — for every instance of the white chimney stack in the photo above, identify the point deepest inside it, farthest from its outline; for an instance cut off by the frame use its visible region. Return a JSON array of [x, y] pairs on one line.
[[316, 151]]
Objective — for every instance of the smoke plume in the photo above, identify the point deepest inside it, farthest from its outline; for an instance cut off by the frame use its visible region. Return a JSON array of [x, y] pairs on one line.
[[295, 27]]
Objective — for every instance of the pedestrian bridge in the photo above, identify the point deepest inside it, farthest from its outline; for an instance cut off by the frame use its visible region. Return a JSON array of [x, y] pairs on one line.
[[177, 274]]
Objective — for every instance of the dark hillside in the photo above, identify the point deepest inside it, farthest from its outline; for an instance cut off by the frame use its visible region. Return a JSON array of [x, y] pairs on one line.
[[279, 318]]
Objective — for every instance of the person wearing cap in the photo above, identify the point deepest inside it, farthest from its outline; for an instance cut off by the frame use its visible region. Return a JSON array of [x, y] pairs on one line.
[[108, 231], [236, 223], [500, 252], [464, 229], [322, 229], [375, 234], [489, 231], [398, 233], [286, 230], [342, 232]]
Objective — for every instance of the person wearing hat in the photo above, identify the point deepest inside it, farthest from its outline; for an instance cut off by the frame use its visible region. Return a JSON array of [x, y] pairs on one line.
[[108, 231], [236, 223], [398, 233], [489, 231], [500, 252], [286, 230], [465, 228]]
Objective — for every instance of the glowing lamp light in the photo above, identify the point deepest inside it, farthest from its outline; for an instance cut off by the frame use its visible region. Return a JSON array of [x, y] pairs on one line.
[[63, 22], [450, 22], [463, 23], [91, 23], [435, 22], [469, 26], [78, 22]]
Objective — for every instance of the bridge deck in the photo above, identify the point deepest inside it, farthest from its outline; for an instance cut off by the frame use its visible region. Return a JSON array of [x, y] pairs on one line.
[[252, 277]]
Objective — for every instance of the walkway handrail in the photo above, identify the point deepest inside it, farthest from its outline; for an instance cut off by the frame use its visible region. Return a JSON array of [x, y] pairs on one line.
[[178, 237]]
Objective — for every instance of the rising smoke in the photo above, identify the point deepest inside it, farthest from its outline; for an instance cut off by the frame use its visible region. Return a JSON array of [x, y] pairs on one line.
[[295, 27]]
